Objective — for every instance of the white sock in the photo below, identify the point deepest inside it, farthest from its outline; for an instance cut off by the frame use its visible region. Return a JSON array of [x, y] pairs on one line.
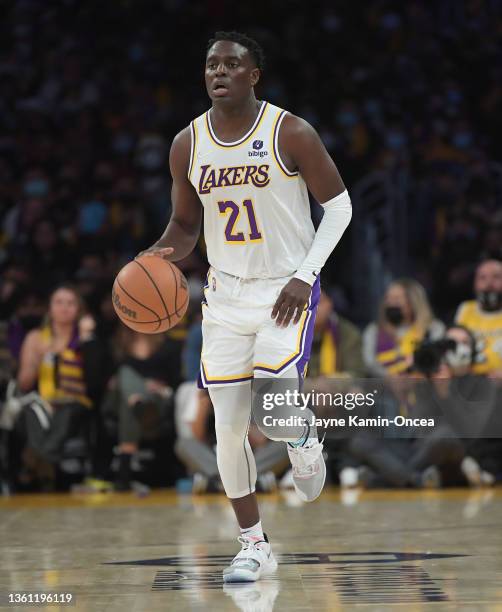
[[255, 532]]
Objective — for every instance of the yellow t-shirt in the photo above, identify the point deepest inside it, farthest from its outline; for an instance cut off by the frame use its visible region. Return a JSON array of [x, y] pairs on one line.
[[487, 327], [61, 377]]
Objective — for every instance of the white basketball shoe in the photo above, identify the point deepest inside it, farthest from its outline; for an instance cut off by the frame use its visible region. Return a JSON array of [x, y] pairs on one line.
[[309, 470], [255, 559]]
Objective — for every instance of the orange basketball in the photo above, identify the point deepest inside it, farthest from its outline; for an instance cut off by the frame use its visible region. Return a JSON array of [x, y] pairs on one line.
[[150, 295]]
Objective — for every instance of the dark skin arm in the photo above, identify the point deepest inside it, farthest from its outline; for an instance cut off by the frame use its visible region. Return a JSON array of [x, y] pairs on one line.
[[302, 149], [183, 230]]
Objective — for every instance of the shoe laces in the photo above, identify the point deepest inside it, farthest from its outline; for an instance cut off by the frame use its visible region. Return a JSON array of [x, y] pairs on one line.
[[248, 547], [304, 459]]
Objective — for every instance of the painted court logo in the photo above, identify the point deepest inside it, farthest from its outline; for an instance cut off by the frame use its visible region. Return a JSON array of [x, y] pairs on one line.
[[257, 149]]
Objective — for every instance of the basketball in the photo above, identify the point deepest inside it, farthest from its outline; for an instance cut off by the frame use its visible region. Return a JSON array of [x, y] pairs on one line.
[[150, 295]]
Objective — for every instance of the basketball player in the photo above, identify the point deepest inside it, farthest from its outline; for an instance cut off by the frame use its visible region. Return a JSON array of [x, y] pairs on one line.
[[248, 164]]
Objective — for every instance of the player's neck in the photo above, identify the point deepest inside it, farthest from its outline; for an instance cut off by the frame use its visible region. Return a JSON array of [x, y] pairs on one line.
[[233, 117]]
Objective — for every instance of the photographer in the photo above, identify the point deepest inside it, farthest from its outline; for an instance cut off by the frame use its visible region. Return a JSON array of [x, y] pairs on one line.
[[464, 402], [464, 407]]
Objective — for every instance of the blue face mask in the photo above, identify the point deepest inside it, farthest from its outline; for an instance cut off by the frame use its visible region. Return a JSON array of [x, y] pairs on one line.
[[136, 53], [462, 140], [372, 107], [454, 96], [92, 217], [395, 140], [36, 188], [123, 143]]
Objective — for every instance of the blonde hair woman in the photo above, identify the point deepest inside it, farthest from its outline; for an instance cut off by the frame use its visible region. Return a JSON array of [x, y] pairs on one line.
[[52, 363], [404, 317]]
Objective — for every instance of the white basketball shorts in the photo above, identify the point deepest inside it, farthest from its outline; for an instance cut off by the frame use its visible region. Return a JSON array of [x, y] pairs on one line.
[[241, 340]]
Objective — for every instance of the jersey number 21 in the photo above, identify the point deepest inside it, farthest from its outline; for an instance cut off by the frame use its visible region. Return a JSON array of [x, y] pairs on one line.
[[228, 207]]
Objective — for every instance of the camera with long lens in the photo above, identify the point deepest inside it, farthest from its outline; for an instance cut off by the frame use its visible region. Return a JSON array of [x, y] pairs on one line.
[[428, 356]]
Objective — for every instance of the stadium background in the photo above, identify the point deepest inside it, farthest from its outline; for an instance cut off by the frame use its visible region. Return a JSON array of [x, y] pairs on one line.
[[406, 98]]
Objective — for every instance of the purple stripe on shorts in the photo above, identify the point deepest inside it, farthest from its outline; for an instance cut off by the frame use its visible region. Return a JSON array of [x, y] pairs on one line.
[[200, 382], [309, 336]]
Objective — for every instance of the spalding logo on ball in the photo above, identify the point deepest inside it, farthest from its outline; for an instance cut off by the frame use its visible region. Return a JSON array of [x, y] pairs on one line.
[[150, 295]]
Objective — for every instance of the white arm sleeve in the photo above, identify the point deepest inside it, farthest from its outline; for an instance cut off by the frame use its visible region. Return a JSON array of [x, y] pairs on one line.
[[337, 215]]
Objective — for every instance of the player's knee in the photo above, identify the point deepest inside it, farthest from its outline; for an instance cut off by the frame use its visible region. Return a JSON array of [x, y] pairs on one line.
[[229, 439]]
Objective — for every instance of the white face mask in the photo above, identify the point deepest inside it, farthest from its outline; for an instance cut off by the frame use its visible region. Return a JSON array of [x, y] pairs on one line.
[[460, 357]]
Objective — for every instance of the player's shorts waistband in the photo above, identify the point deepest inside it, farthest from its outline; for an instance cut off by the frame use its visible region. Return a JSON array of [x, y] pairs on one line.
[[244, 279]]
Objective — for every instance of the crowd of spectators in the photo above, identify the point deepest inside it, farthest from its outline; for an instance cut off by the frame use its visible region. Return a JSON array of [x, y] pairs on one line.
[[93, 93]]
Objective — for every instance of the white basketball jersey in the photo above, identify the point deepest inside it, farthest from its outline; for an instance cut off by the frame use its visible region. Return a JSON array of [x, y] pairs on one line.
[[257, 221]]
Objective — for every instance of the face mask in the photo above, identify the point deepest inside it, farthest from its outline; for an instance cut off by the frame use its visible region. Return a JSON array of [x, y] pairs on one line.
[[395, 140], [372, 108], [394, 315], [36, 188], [460, 357], [490, 301], [454, 96], [92, 217], [462, 140], [123, 143]]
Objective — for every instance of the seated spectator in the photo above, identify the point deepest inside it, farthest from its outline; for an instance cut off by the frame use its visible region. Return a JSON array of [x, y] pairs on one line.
[[140, 393], [468, 403], [464, 406], [59, 361], [404, 318], [483, 316]]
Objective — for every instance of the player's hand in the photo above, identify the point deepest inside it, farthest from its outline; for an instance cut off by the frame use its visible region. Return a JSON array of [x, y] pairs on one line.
[[163, 252], [291, 302]]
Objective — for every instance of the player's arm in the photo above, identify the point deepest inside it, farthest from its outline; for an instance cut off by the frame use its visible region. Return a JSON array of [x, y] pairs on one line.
[[302, 150], [183, 229]]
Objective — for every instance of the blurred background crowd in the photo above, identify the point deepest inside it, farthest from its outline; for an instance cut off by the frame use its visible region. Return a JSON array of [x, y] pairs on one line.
[[406, 97]]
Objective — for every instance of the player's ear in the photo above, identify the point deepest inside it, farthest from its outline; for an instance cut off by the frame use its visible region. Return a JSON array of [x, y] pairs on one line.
[[255, 76]]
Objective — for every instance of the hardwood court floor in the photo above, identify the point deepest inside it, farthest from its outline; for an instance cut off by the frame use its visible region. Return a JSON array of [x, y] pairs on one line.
[[382, 550]]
